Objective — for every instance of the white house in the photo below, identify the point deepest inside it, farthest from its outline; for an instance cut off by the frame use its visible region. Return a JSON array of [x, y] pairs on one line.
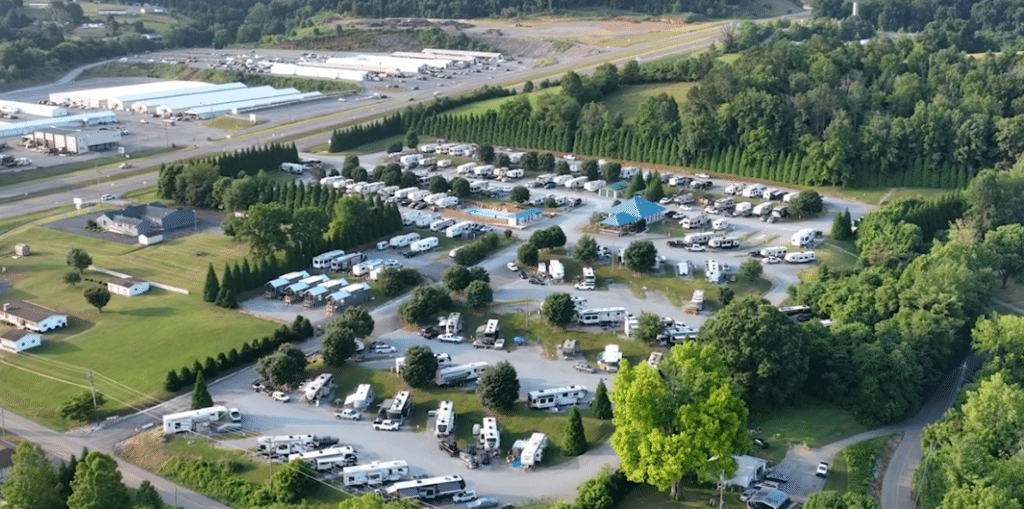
[[26, 315], [17, 340], [127, 286]]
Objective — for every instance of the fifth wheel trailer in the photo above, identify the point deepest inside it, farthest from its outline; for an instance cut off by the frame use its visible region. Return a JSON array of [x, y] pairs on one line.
[[459, 375], [375, 474], [427, 489], [328, 459], [186, 421], [557, 397]]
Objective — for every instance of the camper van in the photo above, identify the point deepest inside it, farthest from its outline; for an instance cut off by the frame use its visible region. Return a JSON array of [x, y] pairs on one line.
[[557, 397], [323, 261], [803, 257], [444, 419], [803, 238]]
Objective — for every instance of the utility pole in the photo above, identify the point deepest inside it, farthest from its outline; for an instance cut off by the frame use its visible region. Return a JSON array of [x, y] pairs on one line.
[[95, 410]]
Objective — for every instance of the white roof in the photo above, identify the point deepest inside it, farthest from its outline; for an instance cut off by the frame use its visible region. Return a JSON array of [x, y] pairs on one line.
[[129, 99], [251, 104], [319, 71], [111, 92], [70, 121], [39, 110], [379, 63], [211, 99]]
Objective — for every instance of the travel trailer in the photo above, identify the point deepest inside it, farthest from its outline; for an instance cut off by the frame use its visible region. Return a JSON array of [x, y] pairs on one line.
[[375, 474], [323, 261], [610, 358], [444, 419], [321, 387], [328, 459], [186, 421], [489, 439], [533, 450], [803, 257], [362, 398], [427, 489], [557, 397], [460, 375], [803, 238], [601, 316]]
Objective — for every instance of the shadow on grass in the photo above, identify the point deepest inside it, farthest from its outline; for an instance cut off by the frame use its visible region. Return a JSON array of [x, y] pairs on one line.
[[148, 312]]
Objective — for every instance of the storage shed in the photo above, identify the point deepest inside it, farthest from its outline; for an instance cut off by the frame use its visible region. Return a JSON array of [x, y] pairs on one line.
[[22, 250], [127, 286]]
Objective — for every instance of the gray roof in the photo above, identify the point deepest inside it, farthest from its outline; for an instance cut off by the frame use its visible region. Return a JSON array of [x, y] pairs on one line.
[[124, 282], [15, 334], [28, 311]]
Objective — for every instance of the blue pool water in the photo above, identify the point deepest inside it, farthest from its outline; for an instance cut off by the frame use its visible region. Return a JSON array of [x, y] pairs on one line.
[[487, 213]]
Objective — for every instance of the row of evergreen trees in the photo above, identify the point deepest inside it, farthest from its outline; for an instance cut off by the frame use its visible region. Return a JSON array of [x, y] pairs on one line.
[[300, 330], [253, 159]]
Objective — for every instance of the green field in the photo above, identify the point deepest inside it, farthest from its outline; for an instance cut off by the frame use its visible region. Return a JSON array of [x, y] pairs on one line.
[[813, 424], [481, 107], [678, 290], [135, 340], [627, 98], [162, 23]]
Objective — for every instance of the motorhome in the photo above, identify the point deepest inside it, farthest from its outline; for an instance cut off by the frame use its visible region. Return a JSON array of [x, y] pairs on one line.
[[724, 243], [556, 270], [803, 238], [743, 209], [697, 238], [610, 358], [698, 221], [453, 324], [459, 375], [321, 387], [533, 450], [557, 397], [601, 316], [186, 421], [345, 263], [754, 191], [400, 406], [458, 229], [773, 251], [328, 459], [362, 398], [285, 445], [489, 438], [424, 245], [697, 300], [488, 334], [323, 261], [427, 489], [375, 474], [803, 257], [444, 419], [714, 271], [763, 209], [588, 275], [719, 224]]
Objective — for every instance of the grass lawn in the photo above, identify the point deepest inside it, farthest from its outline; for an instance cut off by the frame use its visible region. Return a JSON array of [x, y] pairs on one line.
[[836, 254], [10, 223], [678, 290], [1013, 294], [481, 107], [534, 329], [627, 98], [645, 496], [876, 195], [518, 423], [813, 423], [77, 167], [838, 474], [229, 123], [134, 342], [860, 462]]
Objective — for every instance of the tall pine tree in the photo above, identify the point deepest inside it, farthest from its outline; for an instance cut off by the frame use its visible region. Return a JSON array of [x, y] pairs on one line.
[[200, 394], [212, 286], [575, 436]]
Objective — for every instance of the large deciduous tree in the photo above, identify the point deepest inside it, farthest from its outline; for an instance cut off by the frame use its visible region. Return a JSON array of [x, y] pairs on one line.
[[586, 250], [98, 484], [293, 480], [999, 339], [685, 419], [32, 481], [519, 194], [338, 345], [456, 277], [558, 309], [1006, 243], [78, 259], [479, 295], [425, 303], [648, 328], [640, 256], [357, 319], [284, 366], [97, 297], [420, 367], [765, 351], [527, 255], [265, 228], [499, 386]]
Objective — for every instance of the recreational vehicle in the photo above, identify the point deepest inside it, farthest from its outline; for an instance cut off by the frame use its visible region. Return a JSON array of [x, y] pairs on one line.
[[453, 324], [488, 334], [594, 185], [724, 243], [763, 209], [424, 245], [457, 229], [789, 197], [362, 398], [803, 257], [285, 445], [323, 261], [345, 263], [459, 375], [186, 421], [610, 358], [375, 474], [328, 459], [743, 208], [321, 387], [773, 251], [697, 238], [684, 268], [754, 191], [719, 224], [441, 225], [557, 397], [427, 489], [714, 271], [556, 270], [533, 450], [803, 238], [601, 316], [400, 406], [444, 419], [463, 169], [489, 438], [364, 268], [700, 221], [404, 240], [588, 275]]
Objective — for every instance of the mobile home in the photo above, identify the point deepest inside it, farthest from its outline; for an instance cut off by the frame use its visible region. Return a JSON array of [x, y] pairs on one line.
[[375, 474], [557, 397], [444, 419]]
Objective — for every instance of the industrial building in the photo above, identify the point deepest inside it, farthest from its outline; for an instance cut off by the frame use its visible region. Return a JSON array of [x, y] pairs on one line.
[[324, 71], [70, 121], [71, 141], [430, 60], [380, 64], [101, 97], [235, 107], [182, 103], [125, 102], [465, 56], [38, 110]]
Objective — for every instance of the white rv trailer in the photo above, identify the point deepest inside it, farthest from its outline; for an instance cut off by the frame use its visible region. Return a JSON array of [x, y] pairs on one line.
[[610, 358], [453, 324], [559, 396], [344, 263], [457, 229], [489, 439], [588, 275], [324, 260], [601, 315], [803, 238], [364, 268], [328, 459], [804, 257], [424, 245], [743, 208], [533, 450], [285, 445], [321, 387], [762, 209], [444, 420], [400, 406], [754, 190], [427, 489], [714, 271], [697, 238], [186, 421], [362, 398], [441, 225], [458, 375], [375, 474], [774, 251]]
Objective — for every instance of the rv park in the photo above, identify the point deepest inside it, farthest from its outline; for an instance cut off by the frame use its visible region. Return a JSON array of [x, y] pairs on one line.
[[125, 349]]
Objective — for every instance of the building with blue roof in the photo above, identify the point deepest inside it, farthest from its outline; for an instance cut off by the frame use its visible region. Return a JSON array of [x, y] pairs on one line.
[[525, 217], [615, 190], [630, 211]]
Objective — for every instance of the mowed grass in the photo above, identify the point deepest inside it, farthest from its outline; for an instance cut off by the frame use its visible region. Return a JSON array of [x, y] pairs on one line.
[[534, 329], [627, 98], [229, 123], [645, 496], [678, 290], [518, 423], [812, 423], [135, 340], [77, 167], [481, 107]]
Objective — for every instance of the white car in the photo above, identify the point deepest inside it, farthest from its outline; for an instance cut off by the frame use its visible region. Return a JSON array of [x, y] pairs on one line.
[[822, 470], [696, 248], [382, 348], [108, 197], [392, 264], [450, 338], [280, 396], [387, 425], [350, 414], [703, 175], [464, 496], [512, 266], [234, 415], [771, 260], [584, 286]]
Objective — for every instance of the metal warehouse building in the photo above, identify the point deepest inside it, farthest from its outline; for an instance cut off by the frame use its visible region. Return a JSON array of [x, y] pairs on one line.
[[125, 102], [465, 56], [181, 104], [100, 97], [430, 60], [319, 71], [38, 110], [381, 63], [75, 121], [77, 142], [235, 107]]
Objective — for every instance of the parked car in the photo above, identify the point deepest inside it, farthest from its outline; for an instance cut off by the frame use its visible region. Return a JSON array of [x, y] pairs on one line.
[[697, 248], [108, 197], [772, 260], [258, 385], [585, 367], [387, 425], [450, 338], [234, 415], [762, 443], [483, 503], [280, 396], [429, 332], [822, 470], [350, 414], [464, 496], [512, 266], [747, 494], [523, 274], [384, 348]]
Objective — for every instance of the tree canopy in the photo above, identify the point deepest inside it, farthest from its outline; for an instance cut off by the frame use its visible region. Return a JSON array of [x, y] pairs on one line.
[[420, 366], [285, 366], [498, 386], [32, 481], [558, 309]]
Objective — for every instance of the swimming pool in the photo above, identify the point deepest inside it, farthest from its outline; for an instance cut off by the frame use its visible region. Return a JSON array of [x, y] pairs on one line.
[[488, 213]]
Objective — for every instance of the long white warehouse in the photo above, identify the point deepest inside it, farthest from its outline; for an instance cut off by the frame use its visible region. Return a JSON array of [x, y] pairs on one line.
[[430, 60], [233, 107], [100, 97], [84, 120], [465, 56], [125, 102], [38, 110], [380, 64], [319, 71], [181, 103]]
